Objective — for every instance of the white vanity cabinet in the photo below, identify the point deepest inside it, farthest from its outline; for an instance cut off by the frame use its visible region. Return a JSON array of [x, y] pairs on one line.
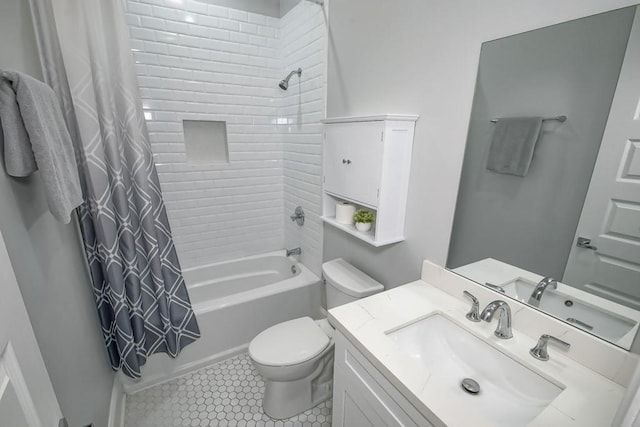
[[367, 162], [362, 397]]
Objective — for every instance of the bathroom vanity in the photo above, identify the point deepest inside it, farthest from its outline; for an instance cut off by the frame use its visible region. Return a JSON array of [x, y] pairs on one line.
[[402, 355]]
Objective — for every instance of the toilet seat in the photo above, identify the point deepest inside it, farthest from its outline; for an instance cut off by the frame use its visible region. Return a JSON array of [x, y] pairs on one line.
[[289, 343]]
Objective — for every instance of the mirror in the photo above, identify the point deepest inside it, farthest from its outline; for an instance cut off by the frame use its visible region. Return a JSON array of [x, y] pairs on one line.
[[574, 215]]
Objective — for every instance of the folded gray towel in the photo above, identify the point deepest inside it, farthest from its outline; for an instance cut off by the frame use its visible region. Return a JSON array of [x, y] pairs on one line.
[[49, 139], [18, 156], [513, 143]]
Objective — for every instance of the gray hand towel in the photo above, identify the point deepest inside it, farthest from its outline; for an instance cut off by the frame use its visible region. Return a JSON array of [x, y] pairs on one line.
[[513, 143], [49, 141], [18, 156]]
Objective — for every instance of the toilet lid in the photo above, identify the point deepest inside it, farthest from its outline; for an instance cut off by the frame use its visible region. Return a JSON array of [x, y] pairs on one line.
[[288, 343]]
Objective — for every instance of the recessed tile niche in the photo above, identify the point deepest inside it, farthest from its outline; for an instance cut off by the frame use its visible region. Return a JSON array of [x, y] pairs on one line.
[[206, 141]]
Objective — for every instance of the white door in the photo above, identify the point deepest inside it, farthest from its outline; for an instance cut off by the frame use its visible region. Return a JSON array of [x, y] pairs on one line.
[[609, 265], [27, 398]]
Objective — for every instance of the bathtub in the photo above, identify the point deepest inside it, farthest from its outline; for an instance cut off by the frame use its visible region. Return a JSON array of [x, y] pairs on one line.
[[233, 302]]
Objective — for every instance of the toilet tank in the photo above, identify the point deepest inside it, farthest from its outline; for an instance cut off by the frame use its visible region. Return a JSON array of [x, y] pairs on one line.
[[345, 283]]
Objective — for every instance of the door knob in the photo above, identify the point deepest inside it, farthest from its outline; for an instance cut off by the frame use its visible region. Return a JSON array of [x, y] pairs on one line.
[[585, 243]]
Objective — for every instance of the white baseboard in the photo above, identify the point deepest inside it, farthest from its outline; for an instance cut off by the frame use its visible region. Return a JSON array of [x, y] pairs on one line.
[[116, 407], [153, 380]]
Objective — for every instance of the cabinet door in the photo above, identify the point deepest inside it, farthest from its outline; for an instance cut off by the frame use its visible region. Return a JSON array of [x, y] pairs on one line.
[[363, 397], [353, 160], [355, 409], [335, 153], [359, 400]]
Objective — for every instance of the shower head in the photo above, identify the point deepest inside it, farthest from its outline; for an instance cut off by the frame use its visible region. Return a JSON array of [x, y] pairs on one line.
[[284, 84]]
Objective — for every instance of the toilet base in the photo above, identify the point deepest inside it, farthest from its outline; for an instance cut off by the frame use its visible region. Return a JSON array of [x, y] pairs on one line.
[[285, 399]]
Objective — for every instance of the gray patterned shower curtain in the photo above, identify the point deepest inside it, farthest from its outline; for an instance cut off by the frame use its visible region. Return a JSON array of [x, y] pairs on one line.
[[140, 294]]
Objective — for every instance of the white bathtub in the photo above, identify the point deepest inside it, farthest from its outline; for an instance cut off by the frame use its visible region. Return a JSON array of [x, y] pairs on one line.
[[233, 302]]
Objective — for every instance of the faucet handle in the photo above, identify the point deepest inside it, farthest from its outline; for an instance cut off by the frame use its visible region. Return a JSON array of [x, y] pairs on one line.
[[540, 350], [495, 287], [474, 313]]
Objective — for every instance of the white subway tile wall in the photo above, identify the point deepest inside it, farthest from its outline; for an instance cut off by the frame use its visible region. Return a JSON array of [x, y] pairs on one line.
[[304, 42], [197, 61]]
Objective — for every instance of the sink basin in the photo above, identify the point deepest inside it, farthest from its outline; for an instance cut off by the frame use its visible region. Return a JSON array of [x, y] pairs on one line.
[[579, 313], [510, 393]]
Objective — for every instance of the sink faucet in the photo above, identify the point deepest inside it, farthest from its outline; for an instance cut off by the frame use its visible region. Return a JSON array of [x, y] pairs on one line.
[[294, 251], [474, 313], [540, 350], [536, 295], [503, 330]]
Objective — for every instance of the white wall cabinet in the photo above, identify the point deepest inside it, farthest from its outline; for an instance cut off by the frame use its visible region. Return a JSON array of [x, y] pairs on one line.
[[353, 165], [362, 397], [367, 162]]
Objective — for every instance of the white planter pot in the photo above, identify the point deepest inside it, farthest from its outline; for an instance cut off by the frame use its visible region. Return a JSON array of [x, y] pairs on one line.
[[363, 226]]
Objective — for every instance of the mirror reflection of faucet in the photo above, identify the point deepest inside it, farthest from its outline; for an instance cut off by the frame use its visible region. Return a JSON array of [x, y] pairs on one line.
[[536, 295], [495, 287]]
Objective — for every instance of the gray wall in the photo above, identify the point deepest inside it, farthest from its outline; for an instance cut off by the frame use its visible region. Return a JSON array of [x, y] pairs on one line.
[[287, 5], [569, 69], [421, 56], [275, 8], [48, 262], [263, 7]]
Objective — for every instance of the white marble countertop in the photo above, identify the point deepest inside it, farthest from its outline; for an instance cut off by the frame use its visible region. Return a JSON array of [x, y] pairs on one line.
[[588, 398]]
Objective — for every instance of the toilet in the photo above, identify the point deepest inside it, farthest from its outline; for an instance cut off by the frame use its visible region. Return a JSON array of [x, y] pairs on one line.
[[296, 357]]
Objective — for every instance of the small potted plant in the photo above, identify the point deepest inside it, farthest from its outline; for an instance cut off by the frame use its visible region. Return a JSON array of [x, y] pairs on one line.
[[363, 219]]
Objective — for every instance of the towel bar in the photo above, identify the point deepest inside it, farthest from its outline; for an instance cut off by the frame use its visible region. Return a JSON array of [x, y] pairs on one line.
[[561, 119]]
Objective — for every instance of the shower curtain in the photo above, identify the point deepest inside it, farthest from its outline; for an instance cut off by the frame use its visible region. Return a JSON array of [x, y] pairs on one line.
[[139, 290]]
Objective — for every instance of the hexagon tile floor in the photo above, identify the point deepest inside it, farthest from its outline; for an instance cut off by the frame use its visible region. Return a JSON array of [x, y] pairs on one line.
[[228, 393]]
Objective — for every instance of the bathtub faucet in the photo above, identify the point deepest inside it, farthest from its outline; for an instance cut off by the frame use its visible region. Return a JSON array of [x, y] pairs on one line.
[[298, 216], [294, 251]]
